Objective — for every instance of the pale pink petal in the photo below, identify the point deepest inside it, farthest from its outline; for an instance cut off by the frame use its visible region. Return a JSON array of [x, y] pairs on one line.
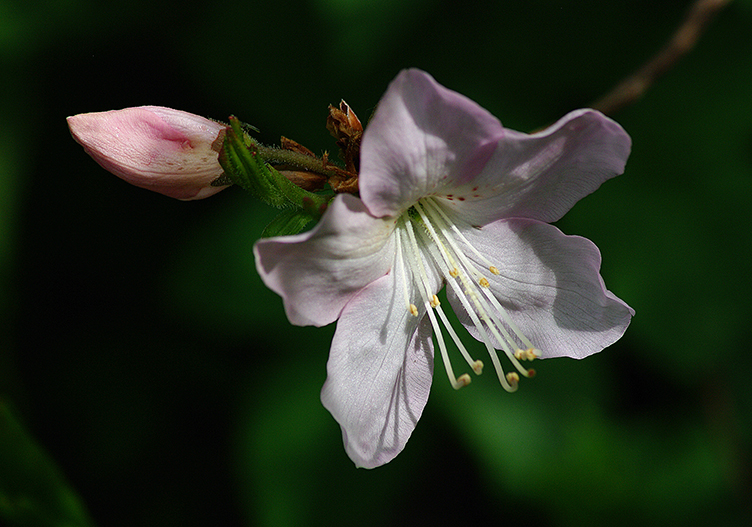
[[318, 272], [550, 285], [422, 138], [541, 176], [379, 372]]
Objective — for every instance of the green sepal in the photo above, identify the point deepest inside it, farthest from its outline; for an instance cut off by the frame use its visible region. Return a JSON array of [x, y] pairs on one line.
[[290, 222], [242, 162]]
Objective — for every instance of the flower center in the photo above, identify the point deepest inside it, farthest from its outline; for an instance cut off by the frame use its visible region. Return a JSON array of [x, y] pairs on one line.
[[438, 241]]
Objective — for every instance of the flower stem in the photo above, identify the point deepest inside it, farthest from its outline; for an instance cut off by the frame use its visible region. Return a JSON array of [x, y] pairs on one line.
[[279, 156]]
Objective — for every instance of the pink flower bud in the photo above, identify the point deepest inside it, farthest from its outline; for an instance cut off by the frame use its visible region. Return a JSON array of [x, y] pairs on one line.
[[160, 149]]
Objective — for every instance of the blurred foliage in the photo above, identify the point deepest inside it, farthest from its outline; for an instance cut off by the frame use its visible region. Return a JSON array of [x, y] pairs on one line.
[[32, 492], [145, 355]]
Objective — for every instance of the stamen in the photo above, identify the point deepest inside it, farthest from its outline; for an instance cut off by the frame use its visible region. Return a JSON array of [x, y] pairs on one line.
[[456, 383], [469, 291], [478, 367], [415, 255], [446, 255], [432, 236], [513, 379], [471, 311], [462, 381], [435, 206], [437, 238], [484, 336], [507, 342], [405, 293], [493, 322], [509, 321]]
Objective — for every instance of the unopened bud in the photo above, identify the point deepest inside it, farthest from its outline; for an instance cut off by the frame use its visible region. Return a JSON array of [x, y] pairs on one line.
[[153, 147]]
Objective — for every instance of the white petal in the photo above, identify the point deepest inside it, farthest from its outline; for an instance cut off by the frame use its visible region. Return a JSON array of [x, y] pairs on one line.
[[379, 373], [541, 176], [422, 138], [550, 285], [317, 272]]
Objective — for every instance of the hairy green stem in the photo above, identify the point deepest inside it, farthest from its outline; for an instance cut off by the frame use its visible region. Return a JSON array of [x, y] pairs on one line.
[[278, 156]]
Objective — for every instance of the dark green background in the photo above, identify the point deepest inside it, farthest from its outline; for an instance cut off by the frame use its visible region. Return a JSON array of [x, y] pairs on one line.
[[141, 350]]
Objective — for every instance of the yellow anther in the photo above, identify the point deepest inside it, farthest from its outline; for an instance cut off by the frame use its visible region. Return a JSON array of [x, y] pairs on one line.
[[413, 310], [462, 381], [478, 367], [513, 379], [493, 270], [483, 282], [528, 354], [435, 301], [454, 273]]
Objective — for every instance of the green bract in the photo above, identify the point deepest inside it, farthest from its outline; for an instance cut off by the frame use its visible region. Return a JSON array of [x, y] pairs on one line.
[[242, 163]]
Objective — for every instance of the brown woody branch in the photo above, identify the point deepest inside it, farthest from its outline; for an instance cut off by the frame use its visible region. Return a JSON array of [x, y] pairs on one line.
[[684, 39]]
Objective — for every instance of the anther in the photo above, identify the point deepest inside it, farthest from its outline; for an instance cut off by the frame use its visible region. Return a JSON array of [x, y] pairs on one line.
[[462, 381], [435, 301], [413, 310], [513, 379], [483, 282], [478, 367], [454, 273], [493, 270], [528, 354], [530, 373]]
